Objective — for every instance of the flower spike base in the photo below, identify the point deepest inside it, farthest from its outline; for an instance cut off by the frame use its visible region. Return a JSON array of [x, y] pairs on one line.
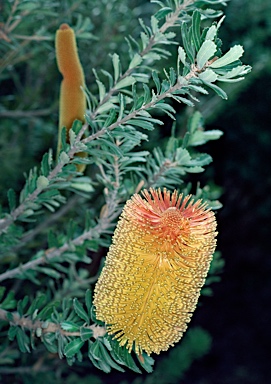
[[155, 269]]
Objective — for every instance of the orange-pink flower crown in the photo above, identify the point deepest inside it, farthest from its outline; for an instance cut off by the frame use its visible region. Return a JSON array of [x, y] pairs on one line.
[[155, 268]]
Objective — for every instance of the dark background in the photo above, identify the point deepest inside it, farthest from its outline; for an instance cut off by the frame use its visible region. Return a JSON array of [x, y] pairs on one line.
[[238, 315]]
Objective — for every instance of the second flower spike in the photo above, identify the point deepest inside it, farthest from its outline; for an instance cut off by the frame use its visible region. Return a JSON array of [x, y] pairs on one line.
[[72, 101]]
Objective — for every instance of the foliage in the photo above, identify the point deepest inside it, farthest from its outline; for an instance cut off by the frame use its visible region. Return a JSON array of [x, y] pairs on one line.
[[56, 225]]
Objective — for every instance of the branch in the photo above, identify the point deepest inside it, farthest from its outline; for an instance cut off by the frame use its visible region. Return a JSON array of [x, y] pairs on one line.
[[144, 107], [18, 114], [104, 223], [52, 253], [46, 327], [45, 224], [4, 223]]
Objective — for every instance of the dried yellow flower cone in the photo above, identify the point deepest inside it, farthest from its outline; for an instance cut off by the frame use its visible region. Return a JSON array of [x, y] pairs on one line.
[[154, 270], [72, 103]]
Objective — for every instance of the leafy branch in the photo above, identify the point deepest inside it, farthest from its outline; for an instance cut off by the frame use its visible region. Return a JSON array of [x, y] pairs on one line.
[[48, 327], [156, 36]]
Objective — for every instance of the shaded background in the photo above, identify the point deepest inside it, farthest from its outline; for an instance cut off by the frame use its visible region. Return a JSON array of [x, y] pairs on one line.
[[237, 316]]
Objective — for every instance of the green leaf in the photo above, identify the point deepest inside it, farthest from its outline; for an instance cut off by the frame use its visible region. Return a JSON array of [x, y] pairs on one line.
[[49, 272], [49, 341], [88, 301], [111, 118], [195, 169], [182, 156], [95, 349], [77, 126], [105, 107], [12, 332], [232, 55], [116, 66], [172, 76], [27, 6], [146, 362], [9, 302], [2, 292], [182, 55], [85, 187], [107, 359], [201, 159], [142, 124], [154, 25], [102, 90], [218, 90], [63, 137], [168, 109], [64, 158], [23, 341], [183, 100], [11, 199], [211, 33], [42, 182], [206, 51], [21, 305], [73, 347], [78, 307], [98, 363], [122, 356], [163, 12], [126, 82], [69, 326], [85, 333], [156, 81], [187, 43], [45, 167], [196, 29], [38, 302], [136, 60], [208, 76]]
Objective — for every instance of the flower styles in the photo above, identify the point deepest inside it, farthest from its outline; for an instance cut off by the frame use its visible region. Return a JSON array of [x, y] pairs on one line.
[[157, 264], [72, 104]]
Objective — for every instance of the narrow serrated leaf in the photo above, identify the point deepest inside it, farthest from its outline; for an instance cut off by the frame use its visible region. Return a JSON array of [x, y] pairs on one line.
[[182, 55], [232, 55], [196, 29], [136, 60], [208, 75], [105, 107], [11, 199], [69, 326], [156, 81], [106, 357], [102, 90], [78, 307], [187, 43], [73, 347], [85, 333], [206, 51], [126, 82], [116, 66], [45, 167], [211, 33], [218, 90]]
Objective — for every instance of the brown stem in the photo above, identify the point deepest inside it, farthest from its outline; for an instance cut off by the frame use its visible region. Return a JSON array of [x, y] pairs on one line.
[[47, 327]]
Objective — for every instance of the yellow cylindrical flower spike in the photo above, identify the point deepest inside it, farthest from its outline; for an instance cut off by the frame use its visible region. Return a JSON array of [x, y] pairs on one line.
[[72, 104], [155, 268]]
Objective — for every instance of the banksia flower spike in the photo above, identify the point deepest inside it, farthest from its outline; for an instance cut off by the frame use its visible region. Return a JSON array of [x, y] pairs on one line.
[[72, 103], [157, 264]]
